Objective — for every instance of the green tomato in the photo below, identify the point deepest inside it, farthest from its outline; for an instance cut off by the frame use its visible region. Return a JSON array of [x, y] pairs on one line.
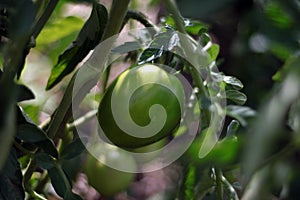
[[152, 86], [106, 180], [153, 151]]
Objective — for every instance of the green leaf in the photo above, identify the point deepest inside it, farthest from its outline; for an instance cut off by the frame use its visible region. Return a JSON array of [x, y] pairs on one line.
[[124, 48], [48, 146], [44, 161], [62, 29], [192, 27], [294, 116], [233, 81], [88, 38], [73, 149], [33, 134], [32, 112], [22, 117], [232, 128], [24, 93], [71, 196], [57, 181], [71, 167], [149, 55], [236, 96], [204, 39], [189, 183], [213, 51], [11, 178], [224, 153], [164, 41], [66, 30], [292, 64], [30, 133], [278, 16], [240, 113]]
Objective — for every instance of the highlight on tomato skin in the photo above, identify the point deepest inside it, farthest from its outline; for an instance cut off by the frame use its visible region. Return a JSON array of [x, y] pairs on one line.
[[158, 87]]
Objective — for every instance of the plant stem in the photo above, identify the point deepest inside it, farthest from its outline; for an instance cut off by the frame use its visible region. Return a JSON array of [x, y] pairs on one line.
[[44, 18], [24, 150], [63, 175], [26, 179], [140, 17], [82, 119], [230, 189], [113, 27], [219, 183], [172, 7], [64, 111], [42, 183], [116, 17], [187, 44]]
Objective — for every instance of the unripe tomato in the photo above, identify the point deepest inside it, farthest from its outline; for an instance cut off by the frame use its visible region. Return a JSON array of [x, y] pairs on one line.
[[149, 152], [142, 88], [106, 180]]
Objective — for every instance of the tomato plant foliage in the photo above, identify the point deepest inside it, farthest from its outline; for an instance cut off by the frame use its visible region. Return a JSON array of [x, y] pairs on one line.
[[43, 50]]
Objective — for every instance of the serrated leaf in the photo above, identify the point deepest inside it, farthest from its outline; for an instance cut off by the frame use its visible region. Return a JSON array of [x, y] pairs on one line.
[[236, 96], [11, 178], [44, 161], [88, 38], [73, 149], [164, 41], [149, 55]]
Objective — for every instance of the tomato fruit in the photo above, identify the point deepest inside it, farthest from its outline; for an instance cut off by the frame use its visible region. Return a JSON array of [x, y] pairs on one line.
[[149, 152], [142, 88], [106, 180]]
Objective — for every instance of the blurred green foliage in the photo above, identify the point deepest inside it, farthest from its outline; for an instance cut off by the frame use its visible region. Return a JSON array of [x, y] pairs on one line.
[[255, 38]]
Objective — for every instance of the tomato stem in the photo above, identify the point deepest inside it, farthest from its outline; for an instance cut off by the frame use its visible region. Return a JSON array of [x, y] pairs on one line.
[[44, 18]]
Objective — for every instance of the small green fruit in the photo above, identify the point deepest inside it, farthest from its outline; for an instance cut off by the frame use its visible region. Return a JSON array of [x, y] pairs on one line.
[[132, 98], [106, 180]]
